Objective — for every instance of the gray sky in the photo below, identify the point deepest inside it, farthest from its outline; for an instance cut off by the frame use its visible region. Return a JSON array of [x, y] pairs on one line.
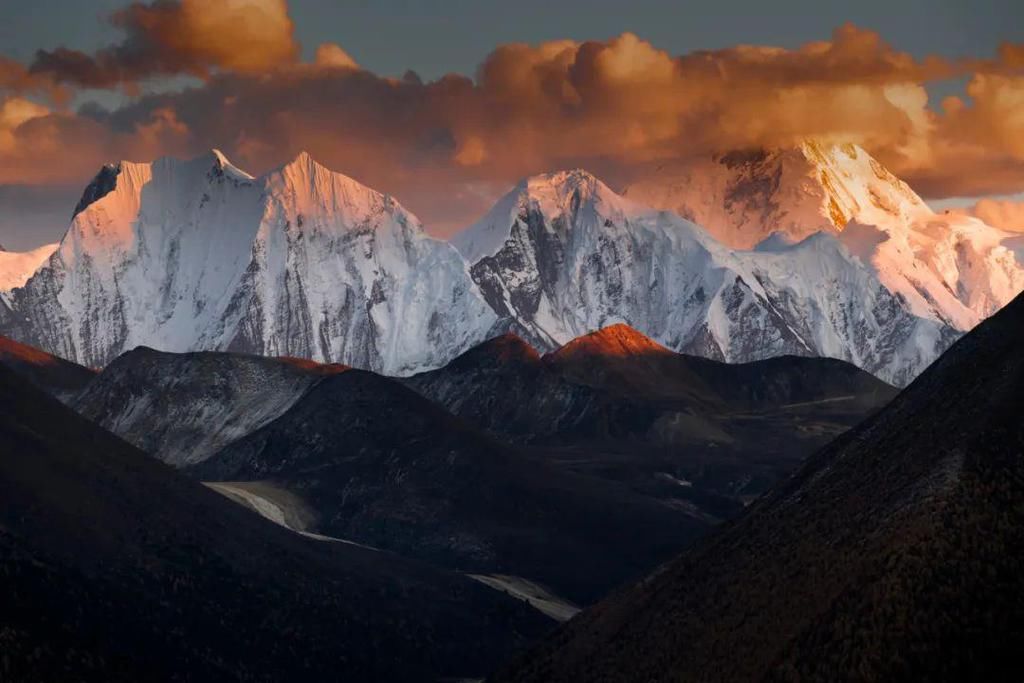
[[433, 38]]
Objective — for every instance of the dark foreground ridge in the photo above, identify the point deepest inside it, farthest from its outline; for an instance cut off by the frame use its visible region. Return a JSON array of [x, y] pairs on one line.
[[115, 567], [896, 553], [48, 372]]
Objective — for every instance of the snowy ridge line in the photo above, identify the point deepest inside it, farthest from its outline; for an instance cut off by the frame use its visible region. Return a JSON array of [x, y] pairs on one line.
[[816, 250]]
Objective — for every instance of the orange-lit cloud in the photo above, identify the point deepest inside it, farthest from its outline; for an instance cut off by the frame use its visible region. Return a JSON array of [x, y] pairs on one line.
[[1005, 214], [171, 37], [446, 147]]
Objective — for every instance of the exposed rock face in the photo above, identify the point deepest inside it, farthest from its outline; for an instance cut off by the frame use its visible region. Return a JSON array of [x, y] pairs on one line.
[[563, 255], [200, 255], [952, 269]]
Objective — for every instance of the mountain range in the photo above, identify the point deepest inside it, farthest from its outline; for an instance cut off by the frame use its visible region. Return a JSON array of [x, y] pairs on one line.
[[268, 428], [577, 474], [813, 251], [894, 553], [200, 255], [113, 566], [435, 525]]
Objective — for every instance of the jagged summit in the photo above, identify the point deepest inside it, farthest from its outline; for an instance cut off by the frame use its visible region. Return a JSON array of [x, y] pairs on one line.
[[223, 165], [562, 185], [953, 270], [305, 261], [570, 197], [743, 196], [562, 254], [102, 183], [199, 255], [334, 199]]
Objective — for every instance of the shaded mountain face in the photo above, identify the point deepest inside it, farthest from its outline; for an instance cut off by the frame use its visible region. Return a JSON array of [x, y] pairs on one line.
[[950, 269], [579, 470], [895, 553], [617, 405], [620, 360], [54, 375], [183, 408], [379, 464], [562, 255], [358, 456], [505, 387], [115, 567], [199, 255]]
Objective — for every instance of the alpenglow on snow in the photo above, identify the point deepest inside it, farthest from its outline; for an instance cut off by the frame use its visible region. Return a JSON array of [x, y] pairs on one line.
[[846, 261], [198, 254]]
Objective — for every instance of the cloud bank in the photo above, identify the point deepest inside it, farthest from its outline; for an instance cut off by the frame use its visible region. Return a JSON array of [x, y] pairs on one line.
[[447, 147]]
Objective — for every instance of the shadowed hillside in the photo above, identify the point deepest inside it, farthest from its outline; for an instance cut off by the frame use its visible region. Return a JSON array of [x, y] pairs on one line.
[[115, 567], [896, 553]]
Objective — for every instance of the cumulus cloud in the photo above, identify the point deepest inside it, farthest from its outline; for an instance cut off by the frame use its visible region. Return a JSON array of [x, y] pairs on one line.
[[448, 146], [38, 145], [170, 37]]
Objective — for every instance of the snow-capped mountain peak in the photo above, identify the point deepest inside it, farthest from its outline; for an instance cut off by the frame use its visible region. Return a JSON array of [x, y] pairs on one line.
[[334, 200], [304, 261], [225, 166], [574, 195], [742, 197], [857, 187], [563, 255], [200, 255], [953, 270]]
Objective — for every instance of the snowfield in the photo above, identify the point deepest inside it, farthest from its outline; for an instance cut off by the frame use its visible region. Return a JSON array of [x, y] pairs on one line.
[[816, 250]]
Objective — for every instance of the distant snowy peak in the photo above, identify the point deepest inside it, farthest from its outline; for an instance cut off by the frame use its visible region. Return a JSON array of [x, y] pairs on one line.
[[953, 270], [562, 255], [17, 267], [741, 198]]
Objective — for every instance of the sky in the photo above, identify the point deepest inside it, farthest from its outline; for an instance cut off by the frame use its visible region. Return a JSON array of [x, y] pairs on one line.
[[447, 104]]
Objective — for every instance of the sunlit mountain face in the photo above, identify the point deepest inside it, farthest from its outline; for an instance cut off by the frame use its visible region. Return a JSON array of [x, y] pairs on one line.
[[574, 341]]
